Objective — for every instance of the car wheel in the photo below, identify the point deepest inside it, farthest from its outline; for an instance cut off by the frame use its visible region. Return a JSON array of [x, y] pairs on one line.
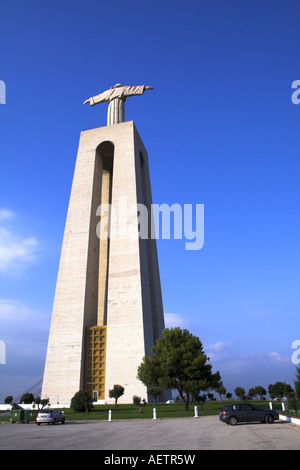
[[269, 419], [232, 421]]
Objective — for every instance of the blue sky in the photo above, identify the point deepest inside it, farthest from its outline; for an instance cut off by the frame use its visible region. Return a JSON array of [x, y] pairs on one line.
[[220, 129]]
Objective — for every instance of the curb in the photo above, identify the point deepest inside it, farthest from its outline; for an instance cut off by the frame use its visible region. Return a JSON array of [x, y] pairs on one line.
[[289, 419]]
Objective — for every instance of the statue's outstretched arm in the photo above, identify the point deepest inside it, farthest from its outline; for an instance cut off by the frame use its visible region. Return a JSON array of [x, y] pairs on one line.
[[97, 99]]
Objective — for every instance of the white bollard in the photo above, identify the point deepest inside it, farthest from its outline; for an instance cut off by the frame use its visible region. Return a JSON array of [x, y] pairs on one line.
[[196, 412], [154, 413], [109, 415], [284, 406], [270, 405]]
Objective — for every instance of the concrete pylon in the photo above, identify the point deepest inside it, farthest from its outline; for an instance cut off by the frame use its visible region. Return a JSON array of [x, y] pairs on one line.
[[108, 308]]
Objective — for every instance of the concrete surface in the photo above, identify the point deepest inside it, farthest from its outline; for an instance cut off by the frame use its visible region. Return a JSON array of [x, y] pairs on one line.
[[202, 433], [124, 292]]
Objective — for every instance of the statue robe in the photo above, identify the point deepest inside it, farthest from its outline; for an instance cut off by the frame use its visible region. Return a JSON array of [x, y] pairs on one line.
[[116, 98]]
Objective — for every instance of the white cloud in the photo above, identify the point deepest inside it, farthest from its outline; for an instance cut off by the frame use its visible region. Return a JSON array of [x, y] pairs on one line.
[[16, 317], [174, 319], [226, 356], [16, 252], [275, 356], [6, 214], [220, 352], [219, 346]]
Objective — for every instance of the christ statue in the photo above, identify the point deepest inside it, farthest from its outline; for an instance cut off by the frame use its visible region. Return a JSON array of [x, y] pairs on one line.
[[116, 97]]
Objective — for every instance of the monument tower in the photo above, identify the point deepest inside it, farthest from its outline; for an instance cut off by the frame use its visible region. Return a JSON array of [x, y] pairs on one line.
[[107, 310]]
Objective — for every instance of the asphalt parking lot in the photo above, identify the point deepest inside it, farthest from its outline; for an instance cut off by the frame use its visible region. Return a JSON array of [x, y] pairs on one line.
[[204, 433]]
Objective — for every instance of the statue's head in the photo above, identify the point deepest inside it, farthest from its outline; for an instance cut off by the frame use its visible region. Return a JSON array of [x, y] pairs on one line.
[[117, 85]]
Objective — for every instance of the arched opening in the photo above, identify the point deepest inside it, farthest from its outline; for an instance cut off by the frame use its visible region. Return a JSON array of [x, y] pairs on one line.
[[95, 335], [105, 153]]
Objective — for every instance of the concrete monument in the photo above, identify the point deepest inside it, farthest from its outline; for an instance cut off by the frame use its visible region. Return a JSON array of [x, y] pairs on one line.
[[108, 309]]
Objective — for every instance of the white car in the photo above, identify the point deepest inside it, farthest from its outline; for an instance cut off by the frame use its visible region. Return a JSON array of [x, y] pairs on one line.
[[50, 416]]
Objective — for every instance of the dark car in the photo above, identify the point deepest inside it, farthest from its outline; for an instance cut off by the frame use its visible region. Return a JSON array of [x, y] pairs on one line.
[[238, 412]]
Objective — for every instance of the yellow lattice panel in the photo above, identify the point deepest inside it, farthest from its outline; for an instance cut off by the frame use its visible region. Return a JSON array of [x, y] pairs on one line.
[[95, 354]]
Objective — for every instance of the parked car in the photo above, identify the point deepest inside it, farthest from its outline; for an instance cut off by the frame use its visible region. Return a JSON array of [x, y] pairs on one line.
[[238, 412], [50, 416]]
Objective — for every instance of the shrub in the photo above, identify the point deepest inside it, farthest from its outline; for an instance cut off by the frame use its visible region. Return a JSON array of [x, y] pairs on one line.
[[116, 392], [139, 402], [81, 401]]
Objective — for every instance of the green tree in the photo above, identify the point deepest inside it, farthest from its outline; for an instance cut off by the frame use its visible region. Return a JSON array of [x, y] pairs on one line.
[[293, 404], [288, 390], [27, 398], [178, 362], [240, 393], [279, 390], [8, 400], [260, 391], [297, 383], [37, 401], [147, 373], [272, 391], [195, 387], [44, 402], [221, 390], [116, 392], [201, 399], [154, 391], [81, 401], [139, 402]]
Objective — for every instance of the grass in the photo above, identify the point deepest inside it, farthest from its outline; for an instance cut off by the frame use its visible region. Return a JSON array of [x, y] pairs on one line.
[[291, 413], [132, 412], [176, 410]]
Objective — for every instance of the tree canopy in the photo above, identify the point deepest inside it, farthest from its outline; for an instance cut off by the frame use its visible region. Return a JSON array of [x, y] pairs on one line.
[[279, 390], [27, 398], [258, 390], [116, 392], [81, 401], [297, 383], [240, 392], [178, 362]]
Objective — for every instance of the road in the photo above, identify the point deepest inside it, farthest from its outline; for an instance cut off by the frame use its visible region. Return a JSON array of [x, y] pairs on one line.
[[204, 433]]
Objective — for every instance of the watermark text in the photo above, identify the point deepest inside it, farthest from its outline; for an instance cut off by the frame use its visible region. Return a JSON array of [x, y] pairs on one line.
[[296, 354], [296, 94], [122, 221], [2, 352], [2, 92]]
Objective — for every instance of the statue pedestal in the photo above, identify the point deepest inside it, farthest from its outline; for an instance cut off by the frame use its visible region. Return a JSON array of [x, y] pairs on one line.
[[112, 282]]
